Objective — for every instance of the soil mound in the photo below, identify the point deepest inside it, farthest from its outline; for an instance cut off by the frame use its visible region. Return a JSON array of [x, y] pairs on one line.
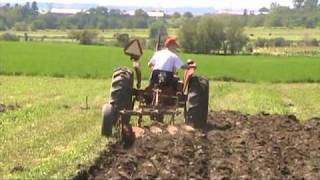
[[234, 146]]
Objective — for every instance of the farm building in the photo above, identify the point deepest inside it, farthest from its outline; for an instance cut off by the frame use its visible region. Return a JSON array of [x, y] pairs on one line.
[[63, 12]]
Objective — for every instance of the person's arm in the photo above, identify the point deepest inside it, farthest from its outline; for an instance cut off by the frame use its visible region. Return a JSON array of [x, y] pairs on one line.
[[151, 62], [150, 65], [137, 69], [179, 64]]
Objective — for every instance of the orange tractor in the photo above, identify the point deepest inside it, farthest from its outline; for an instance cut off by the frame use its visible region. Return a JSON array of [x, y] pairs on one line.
[[156, 100]]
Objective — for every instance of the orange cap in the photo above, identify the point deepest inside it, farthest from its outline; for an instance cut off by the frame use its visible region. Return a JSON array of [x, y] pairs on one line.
[[170, 40]]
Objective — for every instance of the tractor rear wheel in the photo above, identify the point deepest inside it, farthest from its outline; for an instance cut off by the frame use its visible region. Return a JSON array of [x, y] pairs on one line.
[[120, 99], [121, 89], [196, 110]]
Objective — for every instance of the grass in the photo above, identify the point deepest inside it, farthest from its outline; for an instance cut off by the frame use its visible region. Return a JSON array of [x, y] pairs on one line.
[[71, 60], [50, 134]]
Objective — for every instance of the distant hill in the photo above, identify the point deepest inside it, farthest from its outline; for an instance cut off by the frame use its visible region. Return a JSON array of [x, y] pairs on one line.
[[194, 10], [47, 6]]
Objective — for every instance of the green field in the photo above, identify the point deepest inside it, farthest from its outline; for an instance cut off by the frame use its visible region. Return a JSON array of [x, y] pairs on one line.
[[51, 133], [62, 35], [294, 34], [72, 60]]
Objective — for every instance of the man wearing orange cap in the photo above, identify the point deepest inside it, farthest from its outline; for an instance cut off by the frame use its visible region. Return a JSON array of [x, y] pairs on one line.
[[166, 61]]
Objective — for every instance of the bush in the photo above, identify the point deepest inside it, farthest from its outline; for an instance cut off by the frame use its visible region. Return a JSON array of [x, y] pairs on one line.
[[74, 34], [310, 42], [3, 26], [38, 25], [261, 42], [311, 24], [21, 26], [9, 37], [278, 42], [122, 39], [86, 37]]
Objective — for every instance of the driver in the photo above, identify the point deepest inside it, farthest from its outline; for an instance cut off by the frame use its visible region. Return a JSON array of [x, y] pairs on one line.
[[166, 61]]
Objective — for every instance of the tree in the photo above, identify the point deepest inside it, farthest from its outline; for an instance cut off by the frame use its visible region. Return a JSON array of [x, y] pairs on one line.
[[34, 8], [311, 4], [298, 3], [103, 24], [210, 35], [140, 13], [264, 10], [115, 12], [156, 28], [274, 6], [235, 37], [187, 36], [3, 25], [245, 12], [206, 38], [176, 15], [188, 15]]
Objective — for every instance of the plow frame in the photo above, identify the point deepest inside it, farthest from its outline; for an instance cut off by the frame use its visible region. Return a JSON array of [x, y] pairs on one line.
[[157, 107]]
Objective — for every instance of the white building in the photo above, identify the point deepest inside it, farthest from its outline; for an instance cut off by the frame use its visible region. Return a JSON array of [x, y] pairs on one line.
[[62, 11], [156, 14]]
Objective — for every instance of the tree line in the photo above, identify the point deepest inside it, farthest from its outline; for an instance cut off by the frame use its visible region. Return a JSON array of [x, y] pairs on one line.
[[27, 17], [305, 13], [212, 35]]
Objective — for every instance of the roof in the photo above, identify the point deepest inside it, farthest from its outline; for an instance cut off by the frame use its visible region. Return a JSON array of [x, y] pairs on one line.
[[65, 11], [155, 13]]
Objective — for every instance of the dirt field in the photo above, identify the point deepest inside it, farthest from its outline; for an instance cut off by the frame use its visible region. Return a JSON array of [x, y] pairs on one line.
[[236, 146]]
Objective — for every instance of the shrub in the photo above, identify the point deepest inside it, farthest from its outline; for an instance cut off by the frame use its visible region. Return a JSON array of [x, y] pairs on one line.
[[261, 42], [73, 34], [88, 37], [310, 42], [122, 39], [3, 26], [9, 37], [84, 36], [278, 42], [21, 26]]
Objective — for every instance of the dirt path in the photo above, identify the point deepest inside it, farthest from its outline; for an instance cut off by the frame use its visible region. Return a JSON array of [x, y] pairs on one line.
[[235, 146]]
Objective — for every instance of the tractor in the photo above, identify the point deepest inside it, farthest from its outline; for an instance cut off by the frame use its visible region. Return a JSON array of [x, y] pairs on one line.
[[156, 100]]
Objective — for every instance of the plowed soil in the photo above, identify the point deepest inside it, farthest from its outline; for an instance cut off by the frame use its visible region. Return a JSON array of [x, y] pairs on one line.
[[234, 146]]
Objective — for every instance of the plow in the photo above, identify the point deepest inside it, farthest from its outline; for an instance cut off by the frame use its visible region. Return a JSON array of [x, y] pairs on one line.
[[156, 101]]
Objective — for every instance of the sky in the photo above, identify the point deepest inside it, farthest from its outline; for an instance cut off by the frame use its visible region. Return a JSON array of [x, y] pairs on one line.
[[217, 4]]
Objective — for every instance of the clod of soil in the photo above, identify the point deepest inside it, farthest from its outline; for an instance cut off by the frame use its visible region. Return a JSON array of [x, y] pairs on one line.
[[17, 168], [10, 107], [2, 108], [235, 146]]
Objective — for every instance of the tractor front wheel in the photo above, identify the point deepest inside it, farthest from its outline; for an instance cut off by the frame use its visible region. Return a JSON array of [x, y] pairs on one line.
[[109, 116]]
